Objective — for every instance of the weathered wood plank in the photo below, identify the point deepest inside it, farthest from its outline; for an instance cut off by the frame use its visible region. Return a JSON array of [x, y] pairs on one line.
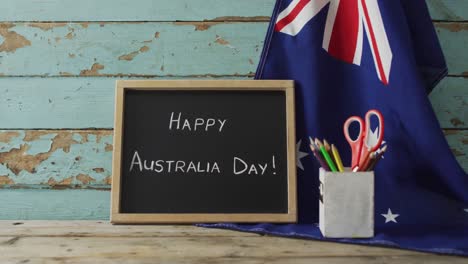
[[449, 10], [458, 141], [58, 159], [61, 159], [157, 49], [181, 10], [431, 259], [67, 102], [450, 102], [30, 204], [142, 10], [88, 241], [188, 246], [90, 228], [85, 102], [142, 49], [453, 38]]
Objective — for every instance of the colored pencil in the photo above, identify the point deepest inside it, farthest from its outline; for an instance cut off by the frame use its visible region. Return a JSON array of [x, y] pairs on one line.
[[328, 149], [326, 155], [371, 164], [363, 160], [336, 155], [378, 157], [370, 160], [318, 156]]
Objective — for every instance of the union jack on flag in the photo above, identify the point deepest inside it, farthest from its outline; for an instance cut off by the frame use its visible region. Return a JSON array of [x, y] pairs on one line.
[[343, 35]]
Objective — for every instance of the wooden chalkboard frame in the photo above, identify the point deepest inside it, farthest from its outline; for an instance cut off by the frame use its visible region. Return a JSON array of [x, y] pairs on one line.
[[117, 217]]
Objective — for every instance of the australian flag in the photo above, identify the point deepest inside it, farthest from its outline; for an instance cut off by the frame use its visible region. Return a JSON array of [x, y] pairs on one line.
[[349, 56]]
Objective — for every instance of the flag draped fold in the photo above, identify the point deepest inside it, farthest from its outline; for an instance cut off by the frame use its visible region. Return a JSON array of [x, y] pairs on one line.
[[349, 56]]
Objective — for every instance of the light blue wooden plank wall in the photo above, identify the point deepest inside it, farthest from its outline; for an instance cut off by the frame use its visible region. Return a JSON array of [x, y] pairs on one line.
[[180, 10], [72, 102], [157, 48], [59, 60]]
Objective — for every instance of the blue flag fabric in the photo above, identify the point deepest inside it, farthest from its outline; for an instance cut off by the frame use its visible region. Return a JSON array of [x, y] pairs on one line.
[[351, 56]]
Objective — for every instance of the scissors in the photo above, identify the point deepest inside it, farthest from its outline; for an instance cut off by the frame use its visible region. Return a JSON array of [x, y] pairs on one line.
[[366, 142]]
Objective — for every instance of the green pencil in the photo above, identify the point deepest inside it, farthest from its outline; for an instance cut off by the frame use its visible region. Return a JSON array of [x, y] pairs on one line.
[[326, 155]]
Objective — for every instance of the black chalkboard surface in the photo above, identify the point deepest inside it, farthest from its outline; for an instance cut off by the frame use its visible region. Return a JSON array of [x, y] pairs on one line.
[[204, 151]]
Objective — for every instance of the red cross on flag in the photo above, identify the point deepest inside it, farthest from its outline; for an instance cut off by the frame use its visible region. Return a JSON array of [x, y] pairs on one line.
[[344, 27]]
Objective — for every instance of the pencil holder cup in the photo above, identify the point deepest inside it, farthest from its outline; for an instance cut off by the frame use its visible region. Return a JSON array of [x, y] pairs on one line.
[[346, 206]]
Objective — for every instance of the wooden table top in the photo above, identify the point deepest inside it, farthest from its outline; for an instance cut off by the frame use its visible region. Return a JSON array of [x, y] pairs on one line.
[[101, 242]]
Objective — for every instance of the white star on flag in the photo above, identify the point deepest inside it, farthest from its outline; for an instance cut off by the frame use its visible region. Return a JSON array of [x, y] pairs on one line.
[[300, 155], [466, 210], [373, 137], [390, 217]]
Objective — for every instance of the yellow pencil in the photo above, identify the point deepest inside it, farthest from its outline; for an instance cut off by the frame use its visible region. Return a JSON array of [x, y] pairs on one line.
[[337, 157]]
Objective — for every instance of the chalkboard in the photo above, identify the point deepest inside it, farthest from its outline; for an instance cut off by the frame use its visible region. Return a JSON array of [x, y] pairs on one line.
[[204, 151]]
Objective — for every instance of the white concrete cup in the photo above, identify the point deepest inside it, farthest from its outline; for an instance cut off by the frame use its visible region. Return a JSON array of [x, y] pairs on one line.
[[346, 207]]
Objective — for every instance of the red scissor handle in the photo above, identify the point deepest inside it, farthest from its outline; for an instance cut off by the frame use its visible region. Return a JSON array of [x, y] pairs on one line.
[[355, 144], [368, 130]]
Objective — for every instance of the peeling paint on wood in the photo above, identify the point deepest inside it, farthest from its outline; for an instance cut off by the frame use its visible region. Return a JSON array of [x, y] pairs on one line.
[[454, 27], [131, 55], [458, 144], [85, 179], [8, 135], [179, 10], [108, 180], [199, 26], [126, 49], [453, 38], [116, 49], [95, 68], [450, 102], [60, 157], [47, 26], [123, 10], [221, 41], [5, 180], [71, 160], [11, 40]]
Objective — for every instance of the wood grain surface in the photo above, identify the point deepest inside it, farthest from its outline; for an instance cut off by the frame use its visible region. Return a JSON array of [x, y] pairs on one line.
[[97, 242]]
